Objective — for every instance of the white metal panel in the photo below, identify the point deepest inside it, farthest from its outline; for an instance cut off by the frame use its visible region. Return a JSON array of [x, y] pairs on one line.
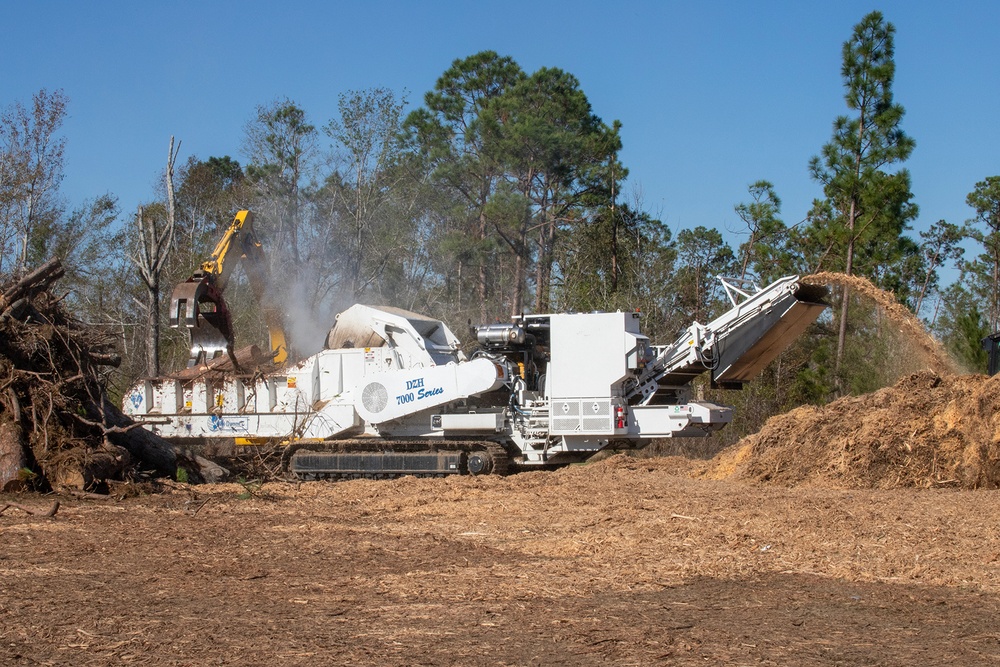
[[586, 416], [332, 419], [688, 419], [385, 396], [589, 353]]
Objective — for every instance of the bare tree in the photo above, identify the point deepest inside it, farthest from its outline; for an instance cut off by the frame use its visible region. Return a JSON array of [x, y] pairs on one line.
[[366, 144], [31, 169], [155, 235]]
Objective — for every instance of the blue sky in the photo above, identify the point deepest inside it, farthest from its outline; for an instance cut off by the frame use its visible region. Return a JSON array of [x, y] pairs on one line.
[[712, 95]]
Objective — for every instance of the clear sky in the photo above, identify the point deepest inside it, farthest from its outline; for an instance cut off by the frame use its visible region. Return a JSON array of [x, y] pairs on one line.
[[712, 95]]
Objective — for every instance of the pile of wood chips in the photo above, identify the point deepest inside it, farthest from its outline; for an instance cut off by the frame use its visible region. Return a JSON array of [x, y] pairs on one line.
[[58, 430], [927, 430]]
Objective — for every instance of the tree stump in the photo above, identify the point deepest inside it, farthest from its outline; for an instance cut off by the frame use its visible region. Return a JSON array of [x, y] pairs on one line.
[[12, 459]]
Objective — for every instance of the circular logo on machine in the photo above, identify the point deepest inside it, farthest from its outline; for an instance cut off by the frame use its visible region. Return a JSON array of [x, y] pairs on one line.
[[374, 397]]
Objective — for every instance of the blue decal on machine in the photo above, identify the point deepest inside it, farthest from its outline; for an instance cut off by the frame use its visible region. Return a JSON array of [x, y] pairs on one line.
[[420, 393], [217, 423], [427, 393], [136, 399]]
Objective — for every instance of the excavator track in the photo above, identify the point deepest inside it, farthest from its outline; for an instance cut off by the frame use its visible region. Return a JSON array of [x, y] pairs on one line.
[[389, 459]]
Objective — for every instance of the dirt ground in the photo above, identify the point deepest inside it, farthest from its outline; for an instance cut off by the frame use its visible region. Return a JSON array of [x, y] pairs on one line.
[[627, 561]]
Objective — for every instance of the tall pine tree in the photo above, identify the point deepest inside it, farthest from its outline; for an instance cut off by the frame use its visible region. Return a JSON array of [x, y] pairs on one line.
[[870, 206]]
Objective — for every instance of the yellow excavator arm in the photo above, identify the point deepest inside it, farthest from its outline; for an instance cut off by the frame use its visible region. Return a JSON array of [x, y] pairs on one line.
[[198, 302], [217, 265]]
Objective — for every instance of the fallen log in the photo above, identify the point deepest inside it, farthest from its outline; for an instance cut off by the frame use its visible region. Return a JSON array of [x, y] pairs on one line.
[[142, 444], [83, 467], [248, 359]]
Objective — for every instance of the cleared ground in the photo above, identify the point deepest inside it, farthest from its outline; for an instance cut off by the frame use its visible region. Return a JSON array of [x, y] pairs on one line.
[[626, 561]]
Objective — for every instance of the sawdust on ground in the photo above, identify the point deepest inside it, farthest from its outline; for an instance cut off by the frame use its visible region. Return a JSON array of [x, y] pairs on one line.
[[627, 561]]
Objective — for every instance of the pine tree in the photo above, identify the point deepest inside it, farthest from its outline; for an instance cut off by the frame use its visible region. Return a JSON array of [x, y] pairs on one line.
[[869, 205]]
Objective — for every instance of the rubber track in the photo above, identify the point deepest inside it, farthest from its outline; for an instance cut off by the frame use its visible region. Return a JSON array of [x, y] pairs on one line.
[[501, 460]]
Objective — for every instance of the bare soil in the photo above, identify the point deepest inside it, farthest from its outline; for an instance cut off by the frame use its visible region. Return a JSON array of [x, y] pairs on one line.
[[627, 561]]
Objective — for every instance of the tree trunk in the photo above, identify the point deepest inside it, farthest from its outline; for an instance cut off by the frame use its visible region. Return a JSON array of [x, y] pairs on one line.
[[614, 247], [83, 468], [845, 306], [483, 273], [12, 458], [517, 301], [153, 327], [546, 250], [140, 443]]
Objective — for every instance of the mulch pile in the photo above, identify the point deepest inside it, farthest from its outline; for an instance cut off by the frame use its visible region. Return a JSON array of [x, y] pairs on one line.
[[926, 431]]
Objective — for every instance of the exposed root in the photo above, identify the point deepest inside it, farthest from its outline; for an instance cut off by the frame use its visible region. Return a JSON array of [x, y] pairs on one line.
[[49, 512], [57, 428]]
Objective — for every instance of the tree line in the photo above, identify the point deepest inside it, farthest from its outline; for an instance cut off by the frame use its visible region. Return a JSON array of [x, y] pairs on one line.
[[501, 193]]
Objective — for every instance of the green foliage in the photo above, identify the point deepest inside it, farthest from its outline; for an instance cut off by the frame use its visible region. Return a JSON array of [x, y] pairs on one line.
[[282, 145], [561, 157], [859, 227], [966, 341], [763, 254], [985, 200], [527, 163], [446, 140], [209, 193], [939, 246], [984, 228], [369, 217], [702, 256], [872, 139], [621, 259], [963, 325]]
